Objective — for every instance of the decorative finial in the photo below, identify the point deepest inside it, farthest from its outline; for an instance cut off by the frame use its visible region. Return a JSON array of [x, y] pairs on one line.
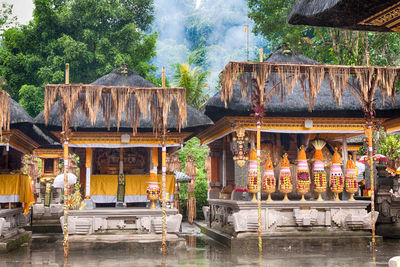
[[123, 70]]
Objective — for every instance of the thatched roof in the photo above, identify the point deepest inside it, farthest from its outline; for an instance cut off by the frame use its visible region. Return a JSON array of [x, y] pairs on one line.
[[347, 14], [195, 119], [115, 78], [20, 119], [295, 105], [18, 114]]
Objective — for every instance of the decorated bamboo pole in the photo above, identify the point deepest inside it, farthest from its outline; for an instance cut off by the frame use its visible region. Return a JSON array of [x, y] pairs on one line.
[[164, 170], [65, 136], [259, 119], [369, 115], [371, 166]]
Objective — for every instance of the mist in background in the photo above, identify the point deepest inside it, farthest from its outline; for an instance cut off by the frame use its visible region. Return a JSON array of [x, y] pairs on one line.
[[212, 30]]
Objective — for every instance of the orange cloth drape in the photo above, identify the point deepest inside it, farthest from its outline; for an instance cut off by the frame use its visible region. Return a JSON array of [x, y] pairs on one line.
[[18, 184]]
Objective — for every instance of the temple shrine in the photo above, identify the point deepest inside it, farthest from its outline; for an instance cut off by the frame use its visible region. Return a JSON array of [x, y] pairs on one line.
[[118, 164], [321, 126], [19, 137]]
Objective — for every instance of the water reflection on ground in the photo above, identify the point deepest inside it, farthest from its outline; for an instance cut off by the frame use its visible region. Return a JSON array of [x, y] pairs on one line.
[[201, 251]]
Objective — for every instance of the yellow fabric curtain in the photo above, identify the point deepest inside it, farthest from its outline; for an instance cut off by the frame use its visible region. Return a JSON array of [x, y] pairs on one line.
[[9, 184], [134, 184], [137, 184], [18, 184]]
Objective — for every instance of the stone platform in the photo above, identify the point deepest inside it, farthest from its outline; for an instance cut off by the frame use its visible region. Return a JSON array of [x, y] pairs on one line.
[[125, 241], [239, 218], [291, 241], [117, 220], [11, 233]]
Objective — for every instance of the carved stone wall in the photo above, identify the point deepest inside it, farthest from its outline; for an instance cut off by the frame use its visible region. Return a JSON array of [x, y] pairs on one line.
[[387, 202], [237, 217], [140, 221], [11, 220]]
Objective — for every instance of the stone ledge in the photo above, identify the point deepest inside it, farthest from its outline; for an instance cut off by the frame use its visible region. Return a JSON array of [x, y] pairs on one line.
[[11, 243], [115, 212], [243, 205], [277, 241], [126, 241]]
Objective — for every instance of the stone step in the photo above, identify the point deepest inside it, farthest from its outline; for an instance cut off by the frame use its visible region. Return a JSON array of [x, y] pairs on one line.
[[44, 228]]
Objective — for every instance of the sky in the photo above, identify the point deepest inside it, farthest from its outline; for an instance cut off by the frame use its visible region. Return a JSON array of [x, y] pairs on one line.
[[229, 42], [22, 9]]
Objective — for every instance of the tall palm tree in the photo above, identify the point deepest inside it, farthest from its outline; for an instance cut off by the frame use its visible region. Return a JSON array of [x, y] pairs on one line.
[[194, 79]]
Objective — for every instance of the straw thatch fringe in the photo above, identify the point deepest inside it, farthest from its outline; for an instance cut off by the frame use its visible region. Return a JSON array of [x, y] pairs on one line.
[[387, 81], [310, 77], [4, 112], [154, 103], [338, 82], [261, 73]]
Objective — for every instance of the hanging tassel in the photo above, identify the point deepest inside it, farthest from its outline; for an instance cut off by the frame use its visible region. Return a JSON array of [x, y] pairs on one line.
[[190, 167]]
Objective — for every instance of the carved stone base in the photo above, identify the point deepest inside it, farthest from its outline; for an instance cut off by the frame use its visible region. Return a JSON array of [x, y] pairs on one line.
[[40, 211], [11, 233], [238, 217], [139, 221]]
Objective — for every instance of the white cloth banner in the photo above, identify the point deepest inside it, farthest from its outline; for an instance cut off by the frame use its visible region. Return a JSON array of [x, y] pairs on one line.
[[128, 198], [107, 145], [9, 198]]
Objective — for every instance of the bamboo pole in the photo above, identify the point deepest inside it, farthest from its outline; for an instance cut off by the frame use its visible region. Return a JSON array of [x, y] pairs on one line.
[[88, 166], [247, 33], [66, 245], [164, 182], [65, 136], [371, 166], [259, 230]]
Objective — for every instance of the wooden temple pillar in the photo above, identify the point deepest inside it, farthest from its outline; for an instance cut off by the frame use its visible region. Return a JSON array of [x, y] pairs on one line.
[[121, 181], [223, 174], [215, 163], [154, 159], [345, 152], [88, 164]]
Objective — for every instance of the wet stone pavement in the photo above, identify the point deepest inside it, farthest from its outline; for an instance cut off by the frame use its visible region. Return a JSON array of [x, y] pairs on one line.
[[201, 251]]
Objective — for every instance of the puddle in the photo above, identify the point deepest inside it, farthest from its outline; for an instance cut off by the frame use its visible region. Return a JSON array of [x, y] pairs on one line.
[[201, 251]]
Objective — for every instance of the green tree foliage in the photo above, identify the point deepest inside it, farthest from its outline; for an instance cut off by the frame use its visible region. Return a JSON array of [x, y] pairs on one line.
[[94, 36], [199, 153], [194, 79], [6, 18], [389, 145], [326, 45], [31, 98]]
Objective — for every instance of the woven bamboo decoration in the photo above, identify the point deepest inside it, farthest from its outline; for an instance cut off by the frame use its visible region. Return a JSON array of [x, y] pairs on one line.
[[319, 170], [252, 180], [303, 174], [191, 203], [285, 178], [336, 180], [153, 190], [190, 167], [269, 182], [351, 178], [4, 112], [173, 163]]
